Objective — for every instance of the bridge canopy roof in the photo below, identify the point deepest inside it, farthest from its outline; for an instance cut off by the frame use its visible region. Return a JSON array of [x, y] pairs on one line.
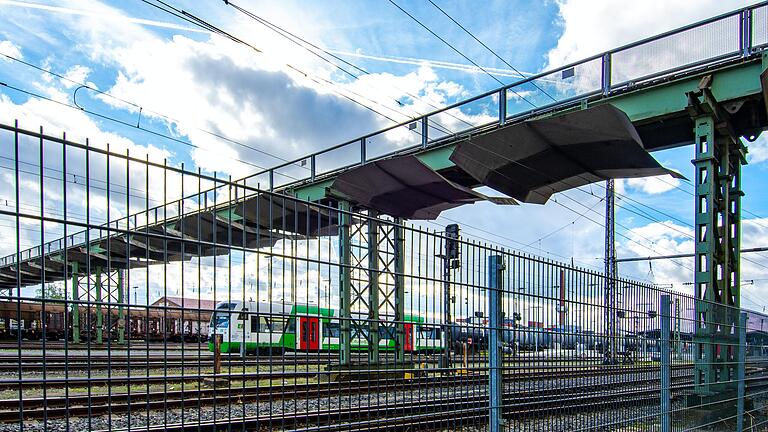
[[530, 161], [405, 187]]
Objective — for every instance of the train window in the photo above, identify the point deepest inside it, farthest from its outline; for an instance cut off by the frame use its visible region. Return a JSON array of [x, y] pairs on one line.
[[304, 331], [291, 327], [278, 324], [254, 325], [332, 329], [429, 332], [220, 319]]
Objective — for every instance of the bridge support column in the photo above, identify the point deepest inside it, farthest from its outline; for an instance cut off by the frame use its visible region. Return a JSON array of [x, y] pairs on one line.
[[120, 309], [399, 259], [719, 156], [373, 289], [75, 304], [345, 283], [99, 311]]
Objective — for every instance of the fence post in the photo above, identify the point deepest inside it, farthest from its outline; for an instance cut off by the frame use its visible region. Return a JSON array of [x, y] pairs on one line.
[[745, 33], [216, 353], [502, 107], [740, 371], [495, 267], [606, 74], [666, 369]]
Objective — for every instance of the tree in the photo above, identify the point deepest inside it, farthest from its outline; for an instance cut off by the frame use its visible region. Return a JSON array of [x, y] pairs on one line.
[[50, 291]]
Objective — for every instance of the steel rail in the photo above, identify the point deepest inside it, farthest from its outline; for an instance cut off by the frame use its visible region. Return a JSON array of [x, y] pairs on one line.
[[73, 405], [433, 411]]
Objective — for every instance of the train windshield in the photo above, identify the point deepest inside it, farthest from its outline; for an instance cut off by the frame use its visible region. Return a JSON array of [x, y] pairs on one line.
[[221, 319]]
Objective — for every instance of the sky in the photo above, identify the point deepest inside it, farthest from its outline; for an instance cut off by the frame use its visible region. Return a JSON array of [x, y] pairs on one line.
[[234, 109]]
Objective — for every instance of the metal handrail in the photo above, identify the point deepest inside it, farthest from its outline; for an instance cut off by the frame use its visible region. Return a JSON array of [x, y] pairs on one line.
[[746, 49], [606, 85]]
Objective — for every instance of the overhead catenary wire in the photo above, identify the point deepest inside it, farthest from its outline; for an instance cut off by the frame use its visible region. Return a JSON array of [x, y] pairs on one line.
[[314, 49], [489, 49], [136, 106], [745, 210], [124, 123], [332, 86], [425, 27], [409, 14]]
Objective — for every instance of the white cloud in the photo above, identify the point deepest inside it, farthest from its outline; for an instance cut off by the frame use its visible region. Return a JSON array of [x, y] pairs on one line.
[[758, 150], [77, 73], [590, 27], [652, 185], [10, 49], [668, 238], [593, 26]]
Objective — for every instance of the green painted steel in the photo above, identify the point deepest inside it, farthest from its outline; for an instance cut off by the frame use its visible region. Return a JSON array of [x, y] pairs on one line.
[[373, 289], [659, 101], [399, 291], [716, 277], [345, 282], [645, 105], [99, 311], [120, 309], [437, 158], [75, 305], [313, 191]]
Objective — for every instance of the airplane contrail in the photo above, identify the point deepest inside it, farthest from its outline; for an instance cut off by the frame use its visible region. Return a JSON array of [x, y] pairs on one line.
[[434, 63], [70, 11]]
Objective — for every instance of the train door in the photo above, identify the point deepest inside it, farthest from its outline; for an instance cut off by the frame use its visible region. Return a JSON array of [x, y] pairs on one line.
[[309, 327], [408, 328]]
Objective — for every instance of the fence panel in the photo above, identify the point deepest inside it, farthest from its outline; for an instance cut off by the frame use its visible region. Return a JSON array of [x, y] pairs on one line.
[[137, 295]]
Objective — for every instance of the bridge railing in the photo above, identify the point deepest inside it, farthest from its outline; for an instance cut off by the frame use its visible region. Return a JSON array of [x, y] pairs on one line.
[[724, 38]]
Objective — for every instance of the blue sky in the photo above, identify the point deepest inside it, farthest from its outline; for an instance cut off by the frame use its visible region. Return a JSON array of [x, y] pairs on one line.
[[207, 84]]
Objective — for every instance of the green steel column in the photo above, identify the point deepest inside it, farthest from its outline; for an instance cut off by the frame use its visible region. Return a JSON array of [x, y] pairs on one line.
[[399, 291], [345, 283], [373, 288], [75, 305], [120, 310], [99, 312], [716, 281]]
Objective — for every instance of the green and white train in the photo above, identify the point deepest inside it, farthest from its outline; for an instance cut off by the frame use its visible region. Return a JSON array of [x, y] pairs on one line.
[[278, 327]]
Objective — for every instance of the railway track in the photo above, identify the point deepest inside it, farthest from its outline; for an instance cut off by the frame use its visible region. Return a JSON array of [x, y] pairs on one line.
[[93, 405], [444, 412], [58, 362], [515, 372], [37, 363]]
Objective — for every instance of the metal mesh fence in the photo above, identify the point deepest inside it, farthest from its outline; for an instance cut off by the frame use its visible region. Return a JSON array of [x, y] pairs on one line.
[[138, 295]]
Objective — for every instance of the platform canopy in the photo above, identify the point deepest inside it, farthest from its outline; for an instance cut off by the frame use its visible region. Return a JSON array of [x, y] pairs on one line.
[[405, 187], [534, 159]]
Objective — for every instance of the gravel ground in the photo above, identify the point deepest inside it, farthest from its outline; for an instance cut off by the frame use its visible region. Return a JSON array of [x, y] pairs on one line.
[[643, 418]]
